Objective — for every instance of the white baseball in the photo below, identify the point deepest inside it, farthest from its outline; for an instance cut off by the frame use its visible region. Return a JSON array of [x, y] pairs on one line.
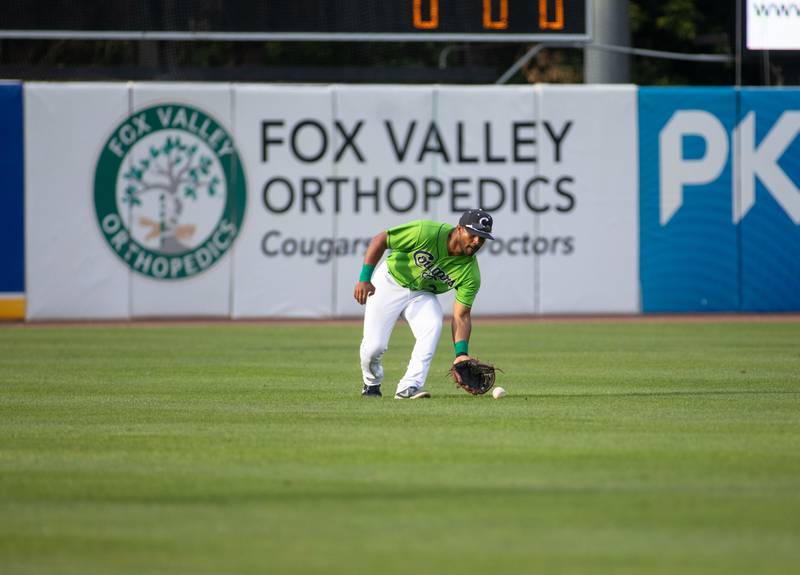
[[498, 392]]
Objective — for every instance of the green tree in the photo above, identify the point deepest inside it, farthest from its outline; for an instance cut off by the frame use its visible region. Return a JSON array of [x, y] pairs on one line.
[[177, 172], [689, 26]]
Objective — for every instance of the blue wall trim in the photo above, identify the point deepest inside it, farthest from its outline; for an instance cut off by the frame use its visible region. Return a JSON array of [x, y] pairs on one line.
[[12, 214]]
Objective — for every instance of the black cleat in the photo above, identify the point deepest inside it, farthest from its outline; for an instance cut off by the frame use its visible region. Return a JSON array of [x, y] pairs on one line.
[[371, 391]]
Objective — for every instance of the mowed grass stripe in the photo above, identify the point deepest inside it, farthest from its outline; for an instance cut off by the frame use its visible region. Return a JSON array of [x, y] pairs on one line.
[[242, 448]]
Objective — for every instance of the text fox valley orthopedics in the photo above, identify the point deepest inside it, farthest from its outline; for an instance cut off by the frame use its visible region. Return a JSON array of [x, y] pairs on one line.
[[426, 146]]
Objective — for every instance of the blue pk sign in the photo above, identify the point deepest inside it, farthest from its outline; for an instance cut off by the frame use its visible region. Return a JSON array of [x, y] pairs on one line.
[[719, 199]]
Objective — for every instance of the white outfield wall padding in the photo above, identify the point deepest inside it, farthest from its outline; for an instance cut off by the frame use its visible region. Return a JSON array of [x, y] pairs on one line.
[[206, 294], [284, 136], [589, 150], [491, 139], [381, 115], [70, 271], [327, 167]]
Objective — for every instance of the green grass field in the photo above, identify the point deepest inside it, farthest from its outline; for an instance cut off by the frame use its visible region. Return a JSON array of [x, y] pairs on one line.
[[624, 448]]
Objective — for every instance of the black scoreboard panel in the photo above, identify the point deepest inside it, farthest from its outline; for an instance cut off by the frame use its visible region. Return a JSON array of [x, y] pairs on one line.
[[428, 20]]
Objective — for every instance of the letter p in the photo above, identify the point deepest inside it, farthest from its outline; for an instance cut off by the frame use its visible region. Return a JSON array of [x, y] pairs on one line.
[[675, 170]]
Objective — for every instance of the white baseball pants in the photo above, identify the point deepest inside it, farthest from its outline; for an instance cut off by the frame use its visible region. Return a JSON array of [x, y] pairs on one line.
[[423, 314]]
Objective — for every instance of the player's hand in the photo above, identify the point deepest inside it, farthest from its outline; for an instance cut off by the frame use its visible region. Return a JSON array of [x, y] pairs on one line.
[[461, 358], [363, 291]]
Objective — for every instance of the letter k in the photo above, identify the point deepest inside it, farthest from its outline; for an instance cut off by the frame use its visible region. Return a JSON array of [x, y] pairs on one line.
[[762, 161]]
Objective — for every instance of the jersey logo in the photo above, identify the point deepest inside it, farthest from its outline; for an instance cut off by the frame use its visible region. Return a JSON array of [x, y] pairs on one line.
[[426, 261]]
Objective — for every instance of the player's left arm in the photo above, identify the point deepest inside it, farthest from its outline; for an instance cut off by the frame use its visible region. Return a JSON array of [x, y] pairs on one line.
[[462, 328]]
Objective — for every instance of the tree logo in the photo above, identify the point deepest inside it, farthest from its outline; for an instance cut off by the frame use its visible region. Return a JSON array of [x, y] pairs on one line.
[[169, 191]]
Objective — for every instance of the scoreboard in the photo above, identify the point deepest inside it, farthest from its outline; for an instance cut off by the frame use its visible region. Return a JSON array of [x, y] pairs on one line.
[[302, 20]]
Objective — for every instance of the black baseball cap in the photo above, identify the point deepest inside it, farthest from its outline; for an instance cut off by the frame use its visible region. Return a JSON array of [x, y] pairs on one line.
[[477, 222]]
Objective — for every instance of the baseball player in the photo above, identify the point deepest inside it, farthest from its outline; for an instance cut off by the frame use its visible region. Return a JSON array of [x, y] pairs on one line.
[[426, 258]]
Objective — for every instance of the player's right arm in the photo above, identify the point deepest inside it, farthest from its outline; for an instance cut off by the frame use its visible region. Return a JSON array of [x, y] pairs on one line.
[[364, 287]]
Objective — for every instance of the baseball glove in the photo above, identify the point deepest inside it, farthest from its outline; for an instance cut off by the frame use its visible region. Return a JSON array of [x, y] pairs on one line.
[[473, 376]]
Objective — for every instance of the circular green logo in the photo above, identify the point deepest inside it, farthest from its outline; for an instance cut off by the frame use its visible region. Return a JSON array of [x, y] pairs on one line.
[[169, 191]]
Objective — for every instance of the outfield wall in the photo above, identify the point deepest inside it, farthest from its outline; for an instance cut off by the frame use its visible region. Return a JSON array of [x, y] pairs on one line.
[[250, 201]]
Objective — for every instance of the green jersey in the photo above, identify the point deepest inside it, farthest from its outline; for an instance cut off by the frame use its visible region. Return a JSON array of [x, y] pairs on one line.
[[419, 261]]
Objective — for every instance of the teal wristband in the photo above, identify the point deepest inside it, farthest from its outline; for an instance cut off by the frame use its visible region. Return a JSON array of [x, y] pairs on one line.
[[366, 272], [462, 347]]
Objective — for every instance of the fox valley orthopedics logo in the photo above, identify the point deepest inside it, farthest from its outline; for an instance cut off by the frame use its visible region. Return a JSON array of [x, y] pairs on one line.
[[169, 191]]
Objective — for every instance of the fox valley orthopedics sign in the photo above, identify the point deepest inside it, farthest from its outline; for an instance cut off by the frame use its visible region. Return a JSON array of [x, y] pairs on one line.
[[773, 25], [260, 200]]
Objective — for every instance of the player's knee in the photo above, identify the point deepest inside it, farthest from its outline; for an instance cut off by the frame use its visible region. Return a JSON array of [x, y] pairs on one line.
[[426, 357], [372, 352]]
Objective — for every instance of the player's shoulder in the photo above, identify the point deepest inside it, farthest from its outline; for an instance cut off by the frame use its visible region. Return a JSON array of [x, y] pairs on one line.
[[426, 232], [430, 227]]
